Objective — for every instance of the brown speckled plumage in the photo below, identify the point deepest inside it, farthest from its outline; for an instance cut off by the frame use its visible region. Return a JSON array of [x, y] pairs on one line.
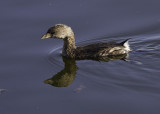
[[92, 51]]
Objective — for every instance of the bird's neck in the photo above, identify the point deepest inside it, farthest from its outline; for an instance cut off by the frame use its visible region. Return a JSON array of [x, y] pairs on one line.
[[69, 47]]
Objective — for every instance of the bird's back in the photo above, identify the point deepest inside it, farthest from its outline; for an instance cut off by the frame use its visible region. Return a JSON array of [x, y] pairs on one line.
[[99, 50]]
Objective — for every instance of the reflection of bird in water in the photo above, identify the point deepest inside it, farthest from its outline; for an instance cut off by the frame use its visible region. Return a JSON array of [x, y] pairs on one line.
[[92, 51], [66, 76]]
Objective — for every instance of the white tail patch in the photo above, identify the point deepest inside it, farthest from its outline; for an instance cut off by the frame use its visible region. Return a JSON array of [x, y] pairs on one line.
[[126, 45]]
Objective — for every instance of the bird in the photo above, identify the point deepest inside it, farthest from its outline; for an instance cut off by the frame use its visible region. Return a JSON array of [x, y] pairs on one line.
[[91, 51]]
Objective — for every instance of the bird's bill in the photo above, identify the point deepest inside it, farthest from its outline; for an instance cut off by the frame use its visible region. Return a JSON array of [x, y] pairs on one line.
[[47, 35]]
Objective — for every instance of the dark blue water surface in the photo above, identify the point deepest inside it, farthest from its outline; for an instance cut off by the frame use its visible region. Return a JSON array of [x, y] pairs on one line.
[[35, 79]]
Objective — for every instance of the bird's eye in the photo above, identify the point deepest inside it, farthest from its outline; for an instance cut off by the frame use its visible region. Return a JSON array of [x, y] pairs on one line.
[[52, 32]]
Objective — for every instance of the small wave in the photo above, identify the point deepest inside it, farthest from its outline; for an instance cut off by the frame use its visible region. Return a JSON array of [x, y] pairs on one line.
[[148, 45], [55, 58]]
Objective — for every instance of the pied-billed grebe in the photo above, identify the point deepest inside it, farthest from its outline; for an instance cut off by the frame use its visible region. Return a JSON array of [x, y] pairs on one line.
[[92, 51]]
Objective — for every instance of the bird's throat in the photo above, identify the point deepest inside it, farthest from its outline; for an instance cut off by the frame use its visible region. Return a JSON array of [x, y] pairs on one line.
[[69, 47]]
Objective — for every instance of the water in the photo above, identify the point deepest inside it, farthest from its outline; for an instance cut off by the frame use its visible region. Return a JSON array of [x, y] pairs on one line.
[[85, 86]]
